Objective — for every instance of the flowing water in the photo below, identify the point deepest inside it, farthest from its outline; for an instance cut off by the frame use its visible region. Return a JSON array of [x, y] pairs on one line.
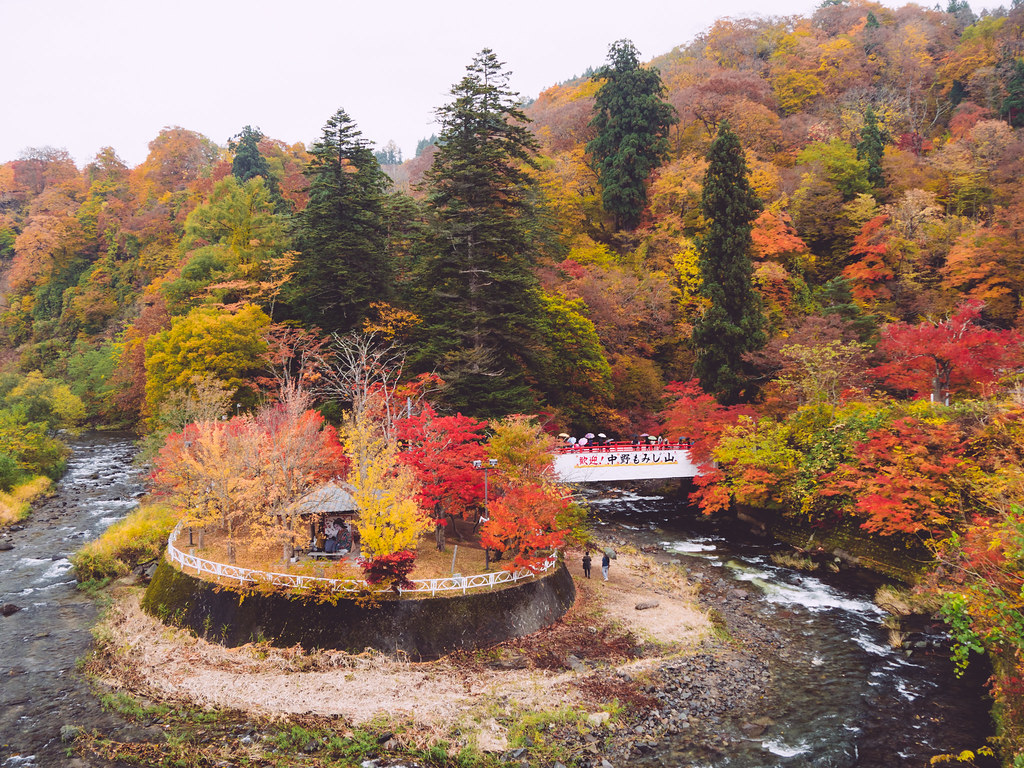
[[40, 644], [840, 695]]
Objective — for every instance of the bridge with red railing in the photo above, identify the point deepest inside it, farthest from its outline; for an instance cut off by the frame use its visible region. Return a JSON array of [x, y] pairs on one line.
[[614, 461]]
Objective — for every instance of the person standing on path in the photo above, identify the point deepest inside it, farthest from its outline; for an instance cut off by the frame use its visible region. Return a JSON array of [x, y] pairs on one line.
[[586, 563], [605, 562]]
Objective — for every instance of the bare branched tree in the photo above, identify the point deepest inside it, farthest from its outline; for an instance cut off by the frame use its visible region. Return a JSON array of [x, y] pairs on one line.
[[361, 371]]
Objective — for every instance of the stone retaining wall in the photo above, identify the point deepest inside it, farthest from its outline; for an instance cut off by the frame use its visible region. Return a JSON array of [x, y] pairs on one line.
[[422, 628]]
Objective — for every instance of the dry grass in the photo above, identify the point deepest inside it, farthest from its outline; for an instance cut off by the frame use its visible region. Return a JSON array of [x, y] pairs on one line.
[[138, 538], [17, 503], [903, 602], [794, 560]]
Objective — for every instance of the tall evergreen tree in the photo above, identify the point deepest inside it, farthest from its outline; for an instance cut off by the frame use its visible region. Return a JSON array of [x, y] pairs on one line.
[[1012, 107], [340, 236], [249, 163], [733, 323], [632, 123], [872, 148], [478, 292]]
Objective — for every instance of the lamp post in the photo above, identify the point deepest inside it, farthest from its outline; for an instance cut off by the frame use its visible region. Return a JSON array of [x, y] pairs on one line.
[[491, 464], [188, 485]]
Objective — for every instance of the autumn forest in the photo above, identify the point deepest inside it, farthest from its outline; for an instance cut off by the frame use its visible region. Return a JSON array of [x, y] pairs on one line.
[[796, 241]]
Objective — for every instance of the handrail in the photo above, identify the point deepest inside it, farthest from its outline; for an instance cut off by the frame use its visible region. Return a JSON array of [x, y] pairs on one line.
[[624, 447], [297, 581]]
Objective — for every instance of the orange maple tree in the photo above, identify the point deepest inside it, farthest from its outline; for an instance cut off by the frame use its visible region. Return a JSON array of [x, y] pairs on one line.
[[524, 522], [903, 479]]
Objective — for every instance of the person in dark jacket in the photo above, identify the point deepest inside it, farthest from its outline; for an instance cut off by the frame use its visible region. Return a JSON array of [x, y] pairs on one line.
[[586, 563], [605, 562]]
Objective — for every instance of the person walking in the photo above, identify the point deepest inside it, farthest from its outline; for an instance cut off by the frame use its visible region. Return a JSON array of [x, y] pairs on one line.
[[605, 562], [586, 563]]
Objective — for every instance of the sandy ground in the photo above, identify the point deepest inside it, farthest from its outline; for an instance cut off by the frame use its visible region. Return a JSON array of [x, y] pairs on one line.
[[634, 579], [170, 664]]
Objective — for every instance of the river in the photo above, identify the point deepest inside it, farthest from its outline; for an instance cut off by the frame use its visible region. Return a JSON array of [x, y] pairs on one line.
[[840, 695], [41, 643]]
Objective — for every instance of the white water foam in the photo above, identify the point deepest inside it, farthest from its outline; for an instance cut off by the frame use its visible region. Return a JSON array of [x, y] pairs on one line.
[[58, 568], [870, 645], [807, 591], [626, 497], [19, 761], [782, 749], [689, 547]]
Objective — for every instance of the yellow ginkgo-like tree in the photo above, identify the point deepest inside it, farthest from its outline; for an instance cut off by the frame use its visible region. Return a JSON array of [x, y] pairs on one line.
[[389, 519]]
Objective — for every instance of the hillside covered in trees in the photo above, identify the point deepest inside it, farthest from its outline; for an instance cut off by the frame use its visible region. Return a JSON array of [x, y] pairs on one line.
[[881, 146], [798, 240]]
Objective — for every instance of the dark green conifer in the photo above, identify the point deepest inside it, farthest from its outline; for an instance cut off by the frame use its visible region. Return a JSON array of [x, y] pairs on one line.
[[733, 323], [632, 122], [477, 291], [1013, 105], [249, 162], [340, 235], [872, 147]]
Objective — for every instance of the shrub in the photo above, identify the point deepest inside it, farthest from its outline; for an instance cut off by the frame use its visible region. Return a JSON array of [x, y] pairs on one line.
[[393, 569]]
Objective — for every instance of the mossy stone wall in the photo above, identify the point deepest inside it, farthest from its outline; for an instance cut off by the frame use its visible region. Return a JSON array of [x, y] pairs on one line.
[[422, 628]]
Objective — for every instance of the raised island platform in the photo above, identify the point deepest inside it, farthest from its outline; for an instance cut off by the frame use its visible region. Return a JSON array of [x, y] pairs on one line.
[[234, 606]]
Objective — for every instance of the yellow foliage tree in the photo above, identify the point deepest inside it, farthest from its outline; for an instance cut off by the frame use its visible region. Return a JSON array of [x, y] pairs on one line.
[[228, 346], [389, 519]]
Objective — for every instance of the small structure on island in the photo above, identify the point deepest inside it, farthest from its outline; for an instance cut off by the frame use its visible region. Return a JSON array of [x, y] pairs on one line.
[[328, 509]]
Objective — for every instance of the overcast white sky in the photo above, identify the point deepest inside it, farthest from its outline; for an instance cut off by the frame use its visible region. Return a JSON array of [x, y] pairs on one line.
[[87, 74]]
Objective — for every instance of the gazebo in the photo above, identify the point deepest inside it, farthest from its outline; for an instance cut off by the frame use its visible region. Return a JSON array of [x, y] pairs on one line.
[[332, 504]]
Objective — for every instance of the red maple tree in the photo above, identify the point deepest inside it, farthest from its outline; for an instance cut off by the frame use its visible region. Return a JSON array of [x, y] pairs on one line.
[[903, 479], [953, 355], [694, 414], [698, 417], [441, 451]]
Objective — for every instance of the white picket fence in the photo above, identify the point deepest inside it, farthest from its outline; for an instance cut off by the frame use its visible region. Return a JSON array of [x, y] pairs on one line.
[[458, 583]]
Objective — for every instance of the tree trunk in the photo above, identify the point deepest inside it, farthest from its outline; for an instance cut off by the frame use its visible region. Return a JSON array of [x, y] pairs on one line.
[[455, 530]]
